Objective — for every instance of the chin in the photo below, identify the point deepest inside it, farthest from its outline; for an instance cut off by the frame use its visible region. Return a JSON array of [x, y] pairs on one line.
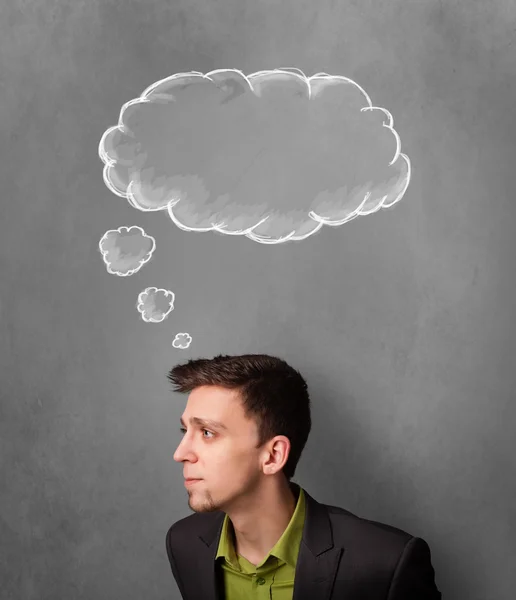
[[201, 504]]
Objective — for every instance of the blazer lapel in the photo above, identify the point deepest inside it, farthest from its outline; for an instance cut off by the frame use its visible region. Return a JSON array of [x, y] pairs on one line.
[[318, 559], [208, 583]]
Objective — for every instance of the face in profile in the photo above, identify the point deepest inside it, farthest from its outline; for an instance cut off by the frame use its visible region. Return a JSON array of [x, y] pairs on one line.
[[224, 457]]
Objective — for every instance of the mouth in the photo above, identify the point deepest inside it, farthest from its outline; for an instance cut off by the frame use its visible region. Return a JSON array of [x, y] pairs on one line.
[[189, 482]]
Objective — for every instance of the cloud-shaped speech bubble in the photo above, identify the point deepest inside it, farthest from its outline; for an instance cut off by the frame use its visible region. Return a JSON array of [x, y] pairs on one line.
[[126, 249], [155, 304], [274, 155], [182, 341]]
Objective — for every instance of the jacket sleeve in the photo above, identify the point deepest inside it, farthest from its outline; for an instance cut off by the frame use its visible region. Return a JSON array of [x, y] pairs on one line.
[[414, 576], [173, 565]]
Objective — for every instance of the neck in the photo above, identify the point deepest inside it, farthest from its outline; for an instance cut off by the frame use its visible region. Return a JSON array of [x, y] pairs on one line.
[[265, 518]]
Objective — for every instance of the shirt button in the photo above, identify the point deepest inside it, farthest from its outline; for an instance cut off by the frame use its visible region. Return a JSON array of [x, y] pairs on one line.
[[260, 581]]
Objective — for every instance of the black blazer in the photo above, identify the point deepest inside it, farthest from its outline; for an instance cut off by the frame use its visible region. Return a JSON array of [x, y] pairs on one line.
[[341, 557]]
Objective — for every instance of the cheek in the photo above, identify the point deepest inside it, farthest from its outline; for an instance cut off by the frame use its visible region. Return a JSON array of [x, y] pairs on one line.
[[230, 457]]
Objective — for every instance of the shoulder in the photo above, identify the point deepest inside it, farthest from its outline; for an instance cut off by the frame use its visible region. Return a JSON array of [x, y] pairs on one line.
[[348, 529], [361, 534], [192, 525], [385, 553]]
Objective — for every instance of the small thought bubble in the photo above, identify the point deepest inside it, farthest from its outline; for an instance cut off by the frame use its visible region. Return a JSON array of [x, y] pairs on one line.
[[126, 249], [182, 341], [155, 304], [273, 155]]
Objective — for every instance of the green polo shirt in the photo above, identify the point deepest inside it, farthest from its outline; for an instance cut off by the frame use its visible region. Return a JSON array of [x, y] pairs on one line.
[[274, 576]]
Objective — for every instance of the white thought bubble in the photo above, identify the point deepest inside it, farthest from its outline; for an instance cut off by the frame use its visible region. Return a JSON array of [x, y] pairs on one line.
[[182, 341], [274, 155], [126, 249], [155, 304]]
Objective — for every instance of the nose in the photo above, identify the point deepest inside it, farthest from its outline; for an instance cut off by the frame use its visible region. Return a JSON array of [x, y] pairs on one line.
[[178, 454], [182, 452]]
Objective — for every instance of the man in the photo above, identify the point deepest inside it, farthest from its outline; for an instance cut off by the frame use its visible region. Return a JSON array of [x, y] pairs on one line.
[[255, 534]]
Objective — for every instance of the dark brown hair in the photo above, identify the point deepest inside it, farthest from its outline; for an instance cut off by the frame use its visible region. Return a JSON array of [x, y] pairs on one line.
[[272, 392]]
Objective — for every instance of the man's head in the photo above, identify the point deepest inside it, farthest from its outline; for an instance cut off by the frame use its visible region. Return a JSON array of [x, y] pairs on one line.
[[263, 407]]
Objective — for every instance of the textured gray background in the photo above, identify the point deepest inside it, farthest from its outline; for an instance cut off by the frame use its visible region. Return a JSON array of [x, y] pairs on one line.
[[402, 321]]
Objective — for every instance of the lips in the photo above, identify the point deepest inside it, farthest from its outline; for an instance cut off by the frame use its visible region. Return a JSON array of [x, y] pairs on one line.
[[191, 482]]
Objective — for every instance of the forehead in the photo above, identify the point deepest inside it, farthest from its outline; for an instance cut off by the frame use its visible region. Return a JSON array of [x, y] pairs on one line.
[[217, 403]]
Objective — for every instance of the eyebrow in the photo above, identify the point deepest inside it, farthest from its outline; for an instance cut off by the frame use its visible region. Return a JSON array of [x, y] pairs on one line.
[[205, 422]]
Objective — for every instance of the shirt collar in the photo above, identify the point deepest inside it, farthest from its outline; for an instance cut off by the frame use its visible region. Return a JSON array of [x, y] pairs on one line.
[[286, 548]]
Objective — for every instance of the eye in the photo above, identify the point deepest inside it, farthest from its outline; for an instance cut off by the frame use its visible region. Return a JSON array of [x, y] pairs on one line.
[[183, 430]]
